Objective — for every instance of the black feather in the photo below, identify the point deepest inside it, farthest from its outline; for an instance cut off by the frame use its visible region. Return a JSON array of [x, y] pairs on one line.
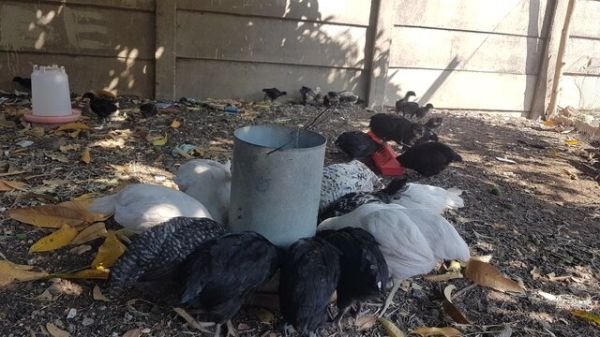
[[356, 144], [397, 128], [364, 272], [403, 100], [428, 158], [148, 110], [100, 106], [309, 275], [24, 82], [273, 93], [223, 271], [156, 253], [434, 122]]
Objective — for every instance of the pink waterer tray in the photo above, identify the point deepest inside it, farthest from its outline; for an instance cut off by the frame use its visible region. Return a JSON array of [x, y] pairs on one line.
[[30, 117]]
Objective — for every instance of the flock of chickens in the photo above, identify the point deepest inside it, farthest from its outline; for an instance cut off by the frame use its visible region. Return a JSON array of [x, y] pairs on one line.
[[367, 235]]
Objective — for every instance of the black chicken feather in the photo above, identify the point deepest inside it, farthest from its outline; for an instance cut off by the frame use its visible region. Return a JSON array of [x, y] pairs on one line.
[[397, 128], [356, 144], [309, 275], [273, 93], [102, 107], [23, 82], [428, 158]]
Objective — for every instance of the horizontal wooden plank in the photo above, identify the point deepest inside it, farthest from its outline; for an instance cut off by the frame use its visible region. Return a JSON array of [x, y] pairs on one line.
[[145, 5], [585, 19], [222, 79], [581, 92], [85, 73], [217, 36], [77, 30], [441, 49], [462, 89], [520, 17], [583, 56], [355, 12]]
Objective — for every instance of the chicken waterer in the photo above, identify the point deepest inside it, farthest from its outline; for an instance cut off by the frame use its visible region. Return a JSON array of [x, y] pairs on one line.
[[50, 97], [276, 182]]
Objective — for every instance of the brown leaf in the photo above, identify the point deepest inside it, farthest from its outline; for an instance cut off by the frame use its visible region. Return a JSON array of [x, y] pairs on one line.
[[390, 328], [56, 240], [80, 249], [73, 126], [93, 232], [486, 275], [10, 272], [54, 331], [57, 156], [11, 185], [588, 316], [85, 156], [366, 322], [98, 295], [175, 124], [72, 213], [70, 147], [137, 332], [109, 252], [191, 321], [45, 296], [449, 307], [447, 331], [265, 316]]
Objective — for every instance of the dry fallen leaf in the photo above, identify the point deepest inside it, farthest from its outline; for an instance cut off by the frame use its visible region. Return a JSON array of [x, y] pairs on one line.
[[588, 316], [72, 213], [175, 124], [70, 147], [109, 252], [95, 274], [137, 332], [10, 272], [11, 185], [85, 156], [157, 140], [265, 316], [98, 295], [55, 331], [364, 323], [443, 277], [191, 321], [90, 233], [57, 156], [80, 249], [486, 275], [447, 331], [45, 296], [390, 328], [56, 240], [450, 309], [571, 142], [73, 126]]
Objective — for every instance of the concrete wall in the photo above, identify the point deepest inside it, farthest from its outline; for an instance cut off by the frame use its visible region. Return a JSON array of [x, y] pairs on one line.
[[103, 44], [581, 83], [458, 54]]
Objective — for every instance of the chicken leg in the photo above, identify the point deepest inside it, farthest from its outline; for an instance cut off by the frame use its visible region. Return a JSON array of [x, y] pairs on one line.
[[390, 298], [340, 316], [231, 331]]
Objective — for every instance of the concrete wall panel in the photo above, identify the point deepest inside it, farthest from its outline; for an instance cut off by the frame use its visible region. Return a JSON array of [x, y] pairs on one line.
[[585, 19], [582, 92]]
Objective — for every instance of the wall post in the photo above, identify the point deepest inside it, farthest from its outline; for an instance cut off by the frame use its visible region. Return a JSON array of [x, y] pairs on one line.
[[165, 53]]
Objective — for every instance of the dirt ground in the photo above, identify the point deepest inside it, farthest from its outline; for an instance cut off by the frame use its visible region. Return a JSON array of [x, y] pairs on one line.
[[539, 218]]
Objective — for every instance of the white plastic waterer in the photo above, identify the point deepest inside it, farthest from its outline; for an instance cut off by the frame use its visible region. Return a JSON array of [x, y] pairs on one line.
[[50, 96]]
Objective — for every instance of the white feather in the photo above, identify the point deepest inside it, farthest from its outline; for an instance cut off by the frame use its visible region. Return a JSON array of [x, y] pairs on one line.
[[140, 206], [209, 182], [433, 198]]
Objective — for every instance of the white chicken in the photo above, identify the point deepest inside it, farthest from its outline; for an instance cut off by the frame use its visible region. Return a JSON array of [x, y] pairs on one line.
[[209, 182], [433, 198], [411, 240], [343, 178], [138, 207]]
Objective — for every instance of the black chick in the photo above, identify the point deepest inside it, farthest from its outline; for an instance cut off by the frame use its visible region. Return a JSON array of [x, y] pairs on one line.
[[433, 123], [428, 158], [364, 272], [148, 109], [356, 144], [308, 95], [155, 254], [273, 93], [397, 128], [309, 275], [23, 82], [353, 200], [423, 111], [332, 99], [102, 107], [405, 99], [223, 271]]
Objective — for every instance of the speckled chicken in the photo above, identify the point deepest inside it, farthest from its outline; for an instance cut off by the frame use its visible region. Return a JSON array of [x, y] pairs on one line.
[[309, 276], [428, 158], [356, 144], [389, 126], [353, 200], [159, 249], [209, 182], [364, 271], [221, 273], [343, 178], [138, 207]]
